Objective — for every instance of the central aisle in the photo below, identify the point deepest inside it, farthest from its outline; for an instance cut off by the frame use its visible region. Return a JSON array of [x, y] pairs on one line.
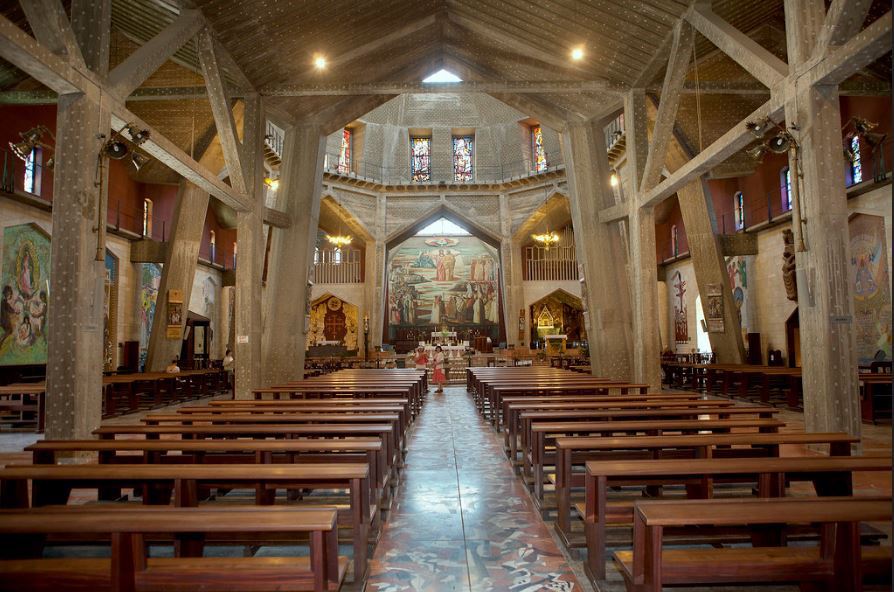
[[461, 519]]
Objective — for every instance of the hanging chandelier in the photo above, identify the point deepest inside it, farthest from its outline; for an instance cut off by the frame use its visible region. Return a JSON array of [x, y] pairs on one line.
[[339, 240], [547, 239]]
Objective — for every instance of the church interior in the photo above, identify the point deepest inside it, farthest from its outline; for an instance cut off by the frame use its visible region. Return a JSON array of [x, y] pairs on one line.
[[446, 295]]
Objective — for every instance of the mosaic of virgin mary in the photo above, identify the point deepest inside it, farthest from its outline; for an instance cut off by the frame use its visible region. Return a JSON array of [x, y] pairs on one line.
[[25, 295]]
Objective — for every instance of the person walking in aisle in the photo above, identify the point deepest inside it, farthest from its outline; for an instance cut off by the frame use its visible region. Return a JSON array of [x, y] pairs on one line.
[[438, 367]]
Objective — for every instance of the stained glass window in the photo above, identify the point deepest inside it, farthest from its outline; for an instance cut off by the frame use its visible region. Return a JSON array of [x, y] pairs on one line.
[[147, 217], [740, 211], [787, 188], [538, 154], [856, 162], [675, 244], [344, 153], [420, 158], [30, 171], [462, 158]]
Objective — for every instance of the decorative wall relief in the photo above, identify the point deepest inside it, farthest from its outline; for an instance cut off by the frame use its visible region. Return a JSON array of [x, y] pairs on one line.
[[789, 266], [150, 279], [681, 320], [872, 296], [332, 319], [435, 282], [714, 308], [26, 289]]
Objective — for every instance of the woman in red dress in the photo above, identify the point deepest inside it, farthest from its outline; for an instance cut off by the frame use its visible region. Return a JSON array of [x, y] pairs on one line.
[[438, 363]]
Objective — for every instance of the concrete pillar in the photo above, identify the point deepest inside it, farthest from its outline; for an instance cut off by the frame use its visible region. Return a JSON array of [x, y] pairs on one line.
[[75, 316], [599, 249], [643, 261], [250, 247], [377, 316], [292, 254], [708, 262], [511, 273], [370, 298], [178, 272]]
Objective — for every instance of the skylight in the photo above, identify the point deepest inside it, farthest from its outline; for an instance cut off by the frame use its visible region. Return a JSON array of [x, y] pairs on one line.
[[443, 75], [443, 227]]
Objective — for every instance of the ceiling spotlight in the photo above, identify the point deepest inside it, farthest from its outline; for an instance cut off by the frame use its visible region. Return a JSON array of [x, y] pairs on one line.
[[779, 143], [115, 149], [757, 152], [138, 160], [864, 125], [319, 62], [577, 54], [272, 183], [758, 128], [137, 135], [31, 139], [21, 149]]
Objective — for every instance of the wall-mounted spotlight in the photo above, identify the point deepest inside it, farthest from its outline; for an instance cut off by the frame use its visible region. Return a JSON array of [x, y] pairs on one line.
[[137, 135], [115, 149], [32, 139], [759, 128], [613, 179], [138, 160]]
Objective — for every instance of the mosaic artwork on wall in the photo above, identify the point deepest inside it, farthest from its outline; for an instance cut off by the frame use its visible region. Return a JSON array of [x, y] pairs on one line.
[[333, 320], [110, 311], [150, 278], [681, 320], [559, 313], [871, 288], [436, 282], [26, 291]]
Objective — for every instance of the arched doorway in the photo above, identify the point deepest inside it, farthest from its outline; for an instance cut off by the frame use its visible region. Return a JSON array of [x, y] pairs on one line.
[[557, 313]]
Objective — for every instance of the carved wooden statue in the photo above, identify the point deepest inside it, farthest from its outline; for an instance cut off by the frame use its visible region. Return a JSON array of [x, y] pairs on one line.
[[789, 266]]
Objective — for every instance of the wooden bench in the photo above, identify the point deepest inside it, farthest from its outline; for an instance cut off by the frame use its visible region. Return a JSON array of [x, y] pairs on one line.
[[576, 451], [129, 570], [839, 562], [161, 484], [831, 476], [536, 455]]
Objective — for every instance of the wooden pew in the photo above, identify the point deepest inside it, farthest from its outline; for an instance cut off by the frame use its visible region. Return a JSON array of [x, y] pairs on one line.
[[129, 569], [52, 485], [328, 450], [576, 451], [831, 476], [27, 401], [838, 563], [536, 456]]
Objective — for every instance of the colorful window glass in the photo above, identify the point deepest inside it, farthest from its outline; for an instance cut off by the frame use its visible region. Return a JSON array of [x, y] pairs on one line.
[[675, 240], [538, 154], [31, 171], [420, 158], [787, 188], [740, 211], [462, 158], [856, 161], [344, 153]]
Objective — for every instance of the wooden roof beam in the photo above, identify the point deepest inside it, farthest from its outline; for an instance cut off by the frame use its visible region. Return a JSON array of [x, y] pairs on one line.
[[150, 56], [867, 46], [222, 110], [844, 19], [52, 28], [466, 86], [677, 68], [749, 54]]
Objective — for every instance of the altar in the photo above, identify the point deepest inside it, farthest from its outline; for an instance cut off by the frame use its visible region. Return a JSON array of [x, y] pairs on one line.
[[453, 352], [555, 344]]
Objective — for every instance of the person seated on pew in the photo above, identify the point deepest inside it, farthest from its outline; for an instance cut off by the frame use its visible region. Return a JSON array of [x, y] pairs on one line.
[[173, 368]]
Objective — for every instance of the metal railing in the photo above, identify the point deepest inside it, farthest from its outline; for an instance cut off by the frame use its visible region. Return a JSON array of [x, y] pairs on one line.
[[614, 131], [274, 138], [556, 264], [337, 266], [489, 173]]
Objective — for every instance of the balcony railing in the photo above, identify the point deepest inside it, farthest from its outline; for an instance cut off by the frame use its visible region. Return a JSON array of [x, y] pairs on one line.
[[558, 264], [337, 266]]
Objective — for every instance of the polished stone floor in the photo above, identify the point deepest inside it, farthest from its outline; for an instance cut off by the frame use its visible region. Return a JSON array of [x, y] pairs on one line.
[[462, 520]]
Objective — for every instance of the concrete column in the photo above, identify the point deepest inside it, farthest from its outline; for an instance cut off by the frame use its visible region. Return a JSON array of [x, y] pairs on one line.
[[250, 248], [825, 302], [643, 261], [370, 297], [708, 262], [75, 327], [292, 252], [511, 270], [599, 250], [377, 316], [178, 272]]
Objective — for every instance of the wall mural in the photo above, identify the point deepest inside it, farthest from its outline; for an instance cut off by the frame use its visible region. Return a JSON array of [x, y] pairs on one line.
[[150, 278], [737, 269], [110, 311], [681, 320], [872, 295], [332, 319], [436, 282], [26, 289]]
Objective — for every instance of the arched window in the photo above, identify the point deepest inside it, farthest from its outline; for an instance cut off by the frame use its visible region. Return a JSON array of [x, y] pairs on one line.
[[147, 217], [234, 254], [856, 161], [785, 187], [32, 171], [675, 240], [739, 205], [213, 247], [345, 151], [538, 153]]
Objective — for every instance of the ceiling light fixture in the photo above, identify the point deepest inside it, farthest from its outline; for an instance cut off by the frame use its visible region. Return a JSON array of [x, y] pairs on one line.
[[339, 240], [31, 139], [547, 239], [137, 135], [272, 182], [577, 54], [320, 62], [138, 160], [613, 179]]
